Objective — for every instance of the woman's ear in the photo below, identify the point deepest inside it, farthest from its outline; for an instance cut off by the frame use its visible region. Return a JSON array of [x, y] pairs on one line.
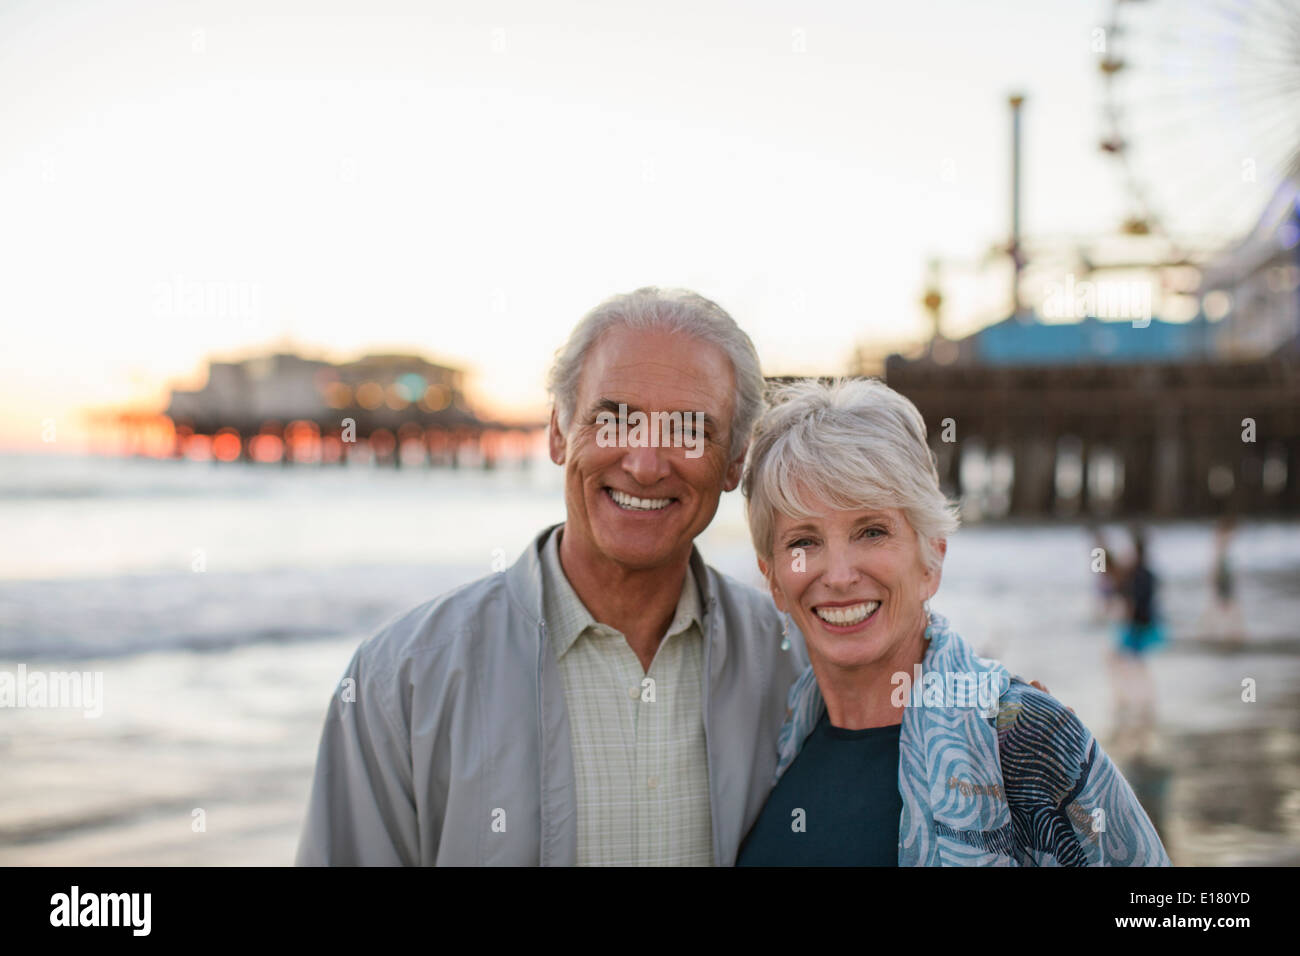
[[935, 574], [777, 597]]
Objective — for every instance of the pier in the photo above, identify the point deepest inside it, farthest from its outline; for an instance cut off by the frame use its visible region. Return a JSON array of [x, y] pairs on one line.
[[1181, 439], [398, 410]]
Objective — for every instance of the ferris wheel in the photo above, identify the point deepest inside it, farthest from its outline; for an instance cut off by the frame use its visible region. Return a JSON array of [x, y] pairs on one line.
[[1201, 111]]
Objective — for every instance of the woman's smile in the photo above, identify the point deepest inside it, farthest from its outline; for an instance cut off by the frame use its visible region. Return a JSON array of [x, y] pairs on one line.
[[846, 617]]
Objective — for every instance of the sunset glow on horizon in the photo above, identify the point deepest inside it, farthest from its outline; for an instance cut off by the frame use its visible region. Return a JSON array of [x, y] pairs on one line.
[[464, 182]]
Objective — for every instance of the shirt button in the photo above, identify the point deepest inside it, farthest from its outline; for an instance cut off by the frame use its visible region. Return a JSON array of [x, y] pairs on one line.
[[634, 693], [653, 782]]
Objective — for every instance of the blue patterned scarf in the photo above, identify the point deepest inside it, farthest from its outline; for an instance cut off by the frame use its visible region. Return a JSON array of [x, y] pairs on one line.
[[1067, 804]]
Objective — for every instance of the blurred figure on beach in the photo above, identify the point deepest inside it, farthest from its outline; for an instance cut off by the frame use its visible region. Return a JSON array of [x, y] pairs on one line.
[[1131, 587], [1222, 618]]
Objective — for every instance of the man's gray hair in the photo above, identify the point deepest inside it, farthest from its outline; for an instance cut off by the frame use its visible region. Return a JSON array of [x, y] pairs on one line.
[[854, 444], [672, 310]]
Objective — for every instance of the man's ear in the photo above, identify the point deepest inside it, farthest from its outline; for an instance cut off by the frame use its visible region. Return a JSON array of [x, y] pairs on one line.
[[555, 439], [777, 597], [735, 470]]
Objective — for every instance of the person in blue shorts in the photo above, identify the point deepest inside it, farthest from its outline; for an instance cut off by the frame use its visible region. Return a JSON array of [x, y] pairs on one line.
[[1138, 633]]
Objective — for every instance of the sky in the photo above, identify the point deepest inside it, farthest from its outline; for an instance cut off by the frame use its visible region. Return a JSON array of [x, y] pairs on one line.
[[464, 180]]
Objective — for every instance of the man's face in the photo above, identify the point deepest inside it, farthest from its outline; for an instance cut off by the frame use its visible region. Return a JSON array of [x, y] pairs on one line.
[[637, 505]]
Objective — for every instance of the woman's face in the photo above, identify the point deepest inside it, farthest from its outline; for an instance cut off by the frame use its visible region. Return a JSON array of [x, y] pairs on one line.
[[855, 584]]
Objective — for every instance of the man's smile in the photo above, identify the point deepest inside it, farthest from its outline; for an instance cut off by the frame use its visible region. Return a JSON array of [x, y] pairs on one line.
[[627, 502]]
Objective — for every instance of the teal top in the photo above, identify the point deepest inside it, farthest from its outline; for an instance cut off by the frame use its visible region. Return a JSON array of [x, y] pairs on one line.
[[837, 805]]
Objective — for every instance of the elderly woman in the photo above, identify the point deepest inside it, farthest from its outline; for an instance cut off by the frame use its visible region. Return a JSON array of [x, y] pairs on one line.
[[902, 747]]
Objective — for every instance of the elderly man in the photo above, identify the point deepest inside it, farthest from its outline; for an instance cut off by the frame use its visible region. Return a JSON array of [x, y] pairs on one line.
[[609, 699]]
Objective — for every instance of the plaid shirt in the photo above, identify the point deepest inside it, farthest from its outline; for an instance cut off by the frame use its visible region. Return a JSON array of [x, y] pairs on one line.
[[639, 757]]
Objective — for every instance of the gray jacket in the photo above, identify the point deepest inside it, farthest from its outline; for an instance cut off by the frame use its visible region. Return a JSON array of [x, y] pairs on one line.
[[449, 745]]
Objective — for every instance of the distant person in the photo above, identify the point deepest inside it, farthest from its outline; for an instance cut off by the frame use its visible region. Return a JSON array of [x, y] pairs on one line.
[[1142, 630], [1222, 618], [903, 747], [1139, 632]]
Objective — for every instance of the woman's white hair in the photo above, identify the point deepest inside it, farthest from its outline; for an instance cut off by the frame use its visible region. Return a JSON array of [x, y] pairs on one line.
[[854, 444], [673, 310]]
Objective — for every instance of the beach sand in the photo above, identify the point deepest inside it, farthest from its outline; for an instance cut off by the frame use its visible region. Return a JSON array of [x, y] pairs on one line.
[[216, 684]]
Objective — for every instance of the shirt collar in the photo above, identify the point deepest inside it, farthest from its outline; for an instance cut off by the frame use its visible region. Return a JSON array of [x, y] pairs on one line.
[[567, 618]]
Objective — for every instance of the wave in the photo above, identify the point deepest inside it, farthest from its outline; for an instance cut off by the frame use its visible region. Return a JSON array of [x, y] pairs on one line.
[[75, 492], [208, 612]]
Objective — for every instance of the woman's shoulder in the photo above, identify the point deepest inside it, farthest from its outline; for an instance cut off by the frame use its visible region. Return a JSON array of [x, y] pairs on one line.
[[1022, 702], [1041, 740]]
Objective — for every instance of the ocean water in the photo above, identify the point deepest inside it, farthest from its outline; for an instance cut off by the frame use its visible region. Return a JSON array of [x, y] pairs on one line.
[[220, 604]]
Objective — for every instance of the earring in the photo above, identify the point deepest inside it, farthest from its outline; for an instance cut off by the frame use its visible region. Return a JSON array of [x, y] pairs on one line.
[[785, 633]]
